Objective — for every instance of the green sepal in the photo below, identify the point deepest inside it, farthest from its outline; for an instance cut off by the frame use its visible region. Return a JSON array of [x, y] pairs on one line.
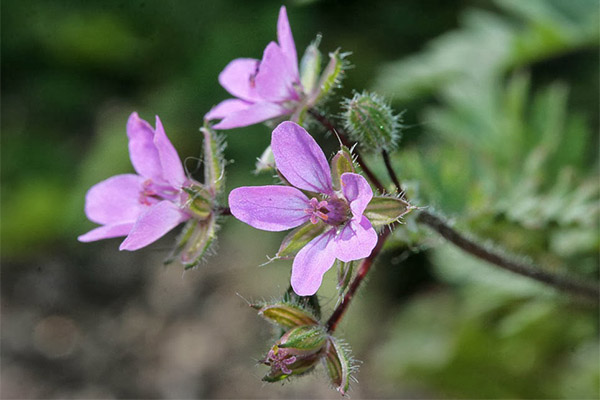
[[310, 65], [386, 210], [306, 339], [309, 303], [340, 164], [200, 201], [194, 242], [286, 315], [214, 163], [299, 237], [338, 365], [331, 77], [344, 275], [266, 162]]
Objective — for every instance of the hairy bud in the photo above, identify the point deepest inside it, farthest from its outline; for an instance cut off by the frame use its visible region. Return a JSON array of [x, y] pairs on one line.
[[370, 121]]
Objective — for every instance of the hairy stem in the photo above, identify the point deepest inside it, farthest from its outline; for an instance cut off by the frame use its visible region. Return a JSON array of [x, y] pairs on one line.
[[346, 142], [391, 172], [560, 282], [362, 271]]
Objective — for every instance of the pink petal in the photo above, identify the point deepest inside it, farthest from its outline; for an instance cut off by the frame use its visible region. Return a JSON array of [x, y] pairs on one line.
[[153, 224], [172, 170], [355, 241], [286, 41], [357, 191], [275, 80], [142, 151], [238, 78], [226, 107], [270, 208], [255, 113], [107, 232], [311, 263], [300, 159], [115, 200]]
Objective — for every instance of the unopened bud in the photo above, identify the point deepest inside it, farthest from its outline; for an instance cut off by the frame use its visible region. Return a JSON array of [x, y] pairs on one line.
[[296, 352], [371, 122], [310, 66]]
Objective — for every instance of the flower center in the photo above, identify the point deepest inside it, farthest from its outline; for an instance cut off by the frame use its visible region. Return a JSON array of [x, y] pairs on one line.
[[280, 360], [152, 193], [333, 212]]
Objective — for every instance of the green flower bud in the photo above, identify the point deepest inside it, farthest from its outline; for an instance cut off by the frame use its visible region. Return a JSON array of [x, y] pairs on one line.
[[384, 210], [286, 315], [370, 121], [296, 352], [310, 66]]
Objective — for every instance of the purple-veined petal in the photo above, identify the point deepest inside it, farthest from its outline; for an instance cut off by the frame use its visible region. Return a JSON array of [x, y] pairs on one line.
[[142, 151], [225, 108], [356, 240], [238, 78], [311, 263], [357, 191], [275, 81], [286, 41], [172, 170], [300, 159], [115, 200], [270, 208], [107, 232], [153, 224], [254, 114]]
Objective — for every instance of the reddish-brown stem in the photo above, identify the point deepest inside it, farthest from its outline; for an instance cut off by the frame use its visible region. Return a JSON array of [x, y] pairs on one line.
[[391, 172], [362, 271], [346, 142]]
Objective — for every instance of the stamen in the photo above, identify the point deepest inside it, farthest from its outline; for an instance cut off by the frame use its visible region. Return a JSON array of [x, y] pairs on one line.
[[318, 210]]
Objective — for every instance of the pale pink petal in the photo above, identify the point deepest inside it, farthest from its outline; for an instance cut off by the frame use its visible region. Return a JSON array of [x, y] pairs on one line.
[[142, 151], [115, 199], [311, 263], [275, 81], [300, 159], [286, 41], [270, 208], [172, 170], [107, 232], [357, 191], [225, 108], [153, 224], [256, 113], [355, 241], [238, 78]]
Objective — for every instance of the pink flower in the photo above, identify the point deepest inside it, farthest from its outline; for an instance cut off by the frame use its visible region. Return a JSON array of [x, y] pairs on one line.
[[143, 207], [348, 234], [266, 88]]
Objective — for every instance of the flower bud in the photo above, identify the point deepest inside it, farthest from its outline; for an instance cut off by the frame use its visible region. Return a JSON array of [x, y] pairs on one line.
[[383, 210], [370, 121], [286, 315], [296, 352], [310, 66]]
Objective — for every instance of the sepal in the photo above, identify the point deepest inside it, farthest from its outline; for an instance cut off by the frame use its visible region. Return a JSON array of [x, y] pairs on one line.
[[384, 210], [340, 164], [299, 237], [286, 315], [339, 364]]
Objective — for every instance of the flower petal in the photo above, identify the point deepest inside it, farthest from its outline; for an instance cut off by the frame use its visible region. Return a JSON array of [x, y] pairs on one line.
[[270, 208], [107, 232], [300, 159], [115, 200], [172, 170], [311, 263], [255, 113], [142, 151], [357, 191], [275, 80], [286, 40], [153, 224], [226, 107], [355, 241], [238, 78]]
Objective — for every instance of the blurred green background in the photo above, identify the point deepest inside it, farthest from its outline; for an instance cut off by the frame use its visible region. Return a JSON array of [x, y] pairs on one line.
[[500, 102]]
